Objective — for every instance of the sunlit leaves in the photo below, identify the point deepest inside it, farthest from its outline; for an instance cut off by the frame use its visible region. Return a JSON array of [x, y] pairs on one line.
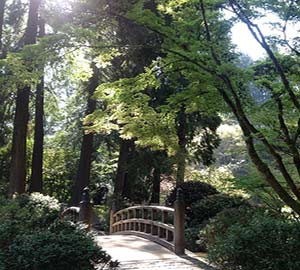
[[14, 71], [129, 112]]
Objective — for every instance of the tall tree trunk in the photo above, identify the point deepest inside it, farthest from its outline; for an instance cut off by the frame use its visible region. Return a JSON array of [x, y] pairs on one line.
[[131, 174], [83, 174], [2, 95], [155, 197], [18, 159], [182, 142], [36, 181], [17, 178], [2, 9], [126, 147]]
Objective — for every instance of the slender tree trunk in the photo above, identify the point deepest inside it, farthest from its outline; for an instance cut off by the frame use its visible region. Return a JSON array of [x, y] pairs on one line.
[[250, 132], [2, 95], [17, 178], [122, 170], [182, 142], [18, 160], [2, 9], [131, 175], [36, 183], [83, 174], [155, 197]]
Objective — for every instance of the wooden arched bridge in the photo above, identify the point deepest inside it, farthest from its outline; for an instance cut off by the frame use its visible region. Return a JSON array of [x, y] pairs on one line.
[[144, 236]]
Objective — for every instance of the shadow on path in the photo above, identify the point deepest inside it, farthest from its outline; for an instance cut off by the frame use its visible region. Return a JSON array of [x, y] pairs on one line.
[[138, 253]]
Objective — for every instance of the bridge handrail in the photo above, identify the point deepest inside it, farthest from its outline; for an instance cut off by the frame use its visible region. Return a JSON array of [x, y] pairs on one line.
[[147, 221], [153, 222], [152, 207], [155, 226]]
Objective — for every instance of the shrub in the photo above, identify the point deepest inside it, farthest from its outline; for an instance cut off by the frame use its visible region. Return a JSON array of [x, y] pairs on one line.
[[224, 220], [51, 250], [259, 242], [199, 214], [43, 209], [191, 238], [192, 191], [211, 205], [33, 238], [27, 212]]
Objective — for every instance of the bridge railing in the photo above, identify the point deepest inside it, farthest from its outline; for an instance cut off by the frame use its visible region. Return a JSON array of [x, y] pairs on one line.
[[160, 224]]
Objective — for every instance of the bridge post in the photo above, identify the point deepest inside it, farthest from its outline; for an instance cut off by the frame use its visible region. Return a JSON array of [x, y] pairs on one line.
[[112, 212], [85, 208], [179, 224]]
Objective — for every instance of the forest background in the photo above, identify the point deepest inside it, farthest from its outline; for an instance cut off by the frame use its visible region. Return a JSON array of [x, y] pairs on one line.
[[127, 94], [133, 98]]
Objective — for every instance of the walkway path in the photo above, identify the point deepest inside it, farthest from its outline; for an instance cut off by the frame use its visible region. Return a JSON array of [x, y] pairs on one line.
[[135, 253]]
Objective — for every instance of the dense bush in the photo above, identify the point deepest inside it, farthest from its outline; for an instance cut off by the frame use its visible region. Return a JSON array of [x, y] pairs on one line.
[[202, 202], [192, 238], [224, 220], [192, 191], [63, 250], [26, 213], [199, 214], [255, 241], [43, 210], [33, 238], [211, 205]]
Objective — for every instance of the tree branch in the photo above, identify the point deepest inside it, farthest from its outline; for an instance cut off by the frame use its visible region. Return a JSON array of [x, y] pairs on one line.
[[260, 38]]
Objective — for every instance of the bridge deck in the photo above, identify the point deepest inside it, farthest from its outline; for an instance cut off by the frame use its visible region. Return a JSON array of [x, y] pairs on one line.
[[140, 254]]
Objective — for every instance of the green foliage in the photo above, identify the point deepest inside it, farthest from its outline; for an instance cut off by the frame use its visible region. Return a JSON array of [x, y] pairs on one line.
[[223, 221], [27, 212], [22, 215], [192, 191], [31, 232], [180, 55], [262, 242], [210, 206], [134, 118], [192, 238], [201, 212], [57, 179], [140, 172], [221, 177], [196, 41], [57, 250]]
